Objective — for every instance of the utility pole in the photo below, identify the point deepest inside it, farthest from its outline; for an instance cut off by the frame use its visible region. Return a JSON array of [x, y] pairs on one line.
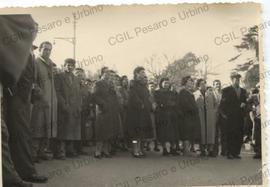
[[71, 40], [74, 39]]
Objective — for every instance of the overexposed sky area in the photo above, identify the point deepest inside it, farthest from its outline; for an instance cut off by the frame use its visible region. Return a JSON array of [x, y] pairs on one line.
[[174, 36]]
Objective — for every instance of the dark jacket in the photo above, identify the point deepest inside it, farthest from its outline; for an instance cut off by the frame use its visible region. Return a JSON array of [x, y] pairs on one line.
[[230, 106], [69, 106], [87, 111], [108, 111], [138, 113], [230, 103], [14, 53], [166, 115], [189, 116]]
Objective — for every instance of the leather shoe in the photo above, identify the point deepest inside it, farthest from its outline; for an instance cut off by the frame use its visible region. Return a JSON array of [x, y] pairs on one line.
[[212, 154], [173, 152], [230, 157], [37, 160], [136, 155], [60, 157], [237, 157], [36, 179], [257, 156], [72, 154], [44, 157], [98, 156], [142, 154], [106, 155]]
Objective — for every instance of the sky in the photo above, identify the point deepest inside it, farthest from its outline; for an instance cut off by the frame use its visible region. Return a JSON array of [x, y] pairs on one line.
[[172, 36]]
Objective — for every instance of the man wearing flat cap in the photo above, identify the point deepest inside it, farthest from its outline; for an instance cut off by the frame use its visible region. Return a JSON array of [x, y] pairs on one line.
[[69, 110], [233, 103]]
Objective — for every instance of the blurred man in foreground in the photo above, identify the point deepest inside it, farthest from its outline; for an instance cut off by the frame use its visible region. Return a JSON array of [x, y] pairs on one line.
[[17, 79]]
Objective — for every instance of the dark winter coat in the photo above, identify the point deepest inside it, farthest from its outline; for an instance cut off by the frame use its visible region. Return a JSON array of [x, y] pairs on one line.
[[189, 116], [166, 115], [107, 125], [69, 106], [139, 110]]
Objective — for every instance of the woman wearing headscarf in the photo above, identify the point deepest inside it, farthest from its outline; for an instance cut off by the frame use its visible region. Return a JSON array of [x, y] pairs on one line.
[[166, 117]]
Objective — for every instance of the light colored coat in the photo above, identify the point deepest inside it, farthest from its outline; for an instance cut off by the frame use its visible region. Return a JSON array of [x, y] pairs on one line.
[[208, 124], [44, 112]]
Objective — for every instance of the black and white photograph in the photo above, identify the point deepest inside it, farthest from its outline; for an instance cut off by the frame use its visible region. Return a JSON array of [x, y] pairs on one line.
[[133, 95]]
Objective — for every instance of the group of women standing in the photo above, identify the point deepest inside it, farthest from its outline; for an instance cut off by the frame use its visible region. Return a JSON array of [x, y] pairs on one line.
[[163, 115]]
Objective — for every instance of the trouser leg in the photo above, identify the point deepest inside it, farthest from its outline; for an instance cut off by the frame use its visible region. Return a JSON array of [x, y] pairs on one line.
[[99, 146], [105, 147], [70, 146], [61, 148], [44, 149], [35, 148], [21, 154], [10, 175], [186, 146], [18, 121], [223, 139], [258, 145], [136, 147]]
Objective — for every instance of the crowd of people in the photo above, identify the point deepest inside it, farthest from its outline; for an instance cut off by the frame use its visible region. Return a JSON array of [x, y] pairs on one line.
[[51, 114]]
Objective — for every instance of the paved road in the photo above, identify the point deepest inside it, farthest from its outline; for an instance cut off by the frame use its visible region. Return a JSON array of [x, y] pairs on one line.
[[154, 170]]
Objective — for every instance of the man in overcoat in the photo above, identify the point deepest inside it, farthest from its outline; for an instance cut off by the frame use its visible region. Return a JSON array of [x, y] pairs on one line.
[[44, 112], [233, 103], [69, 110]]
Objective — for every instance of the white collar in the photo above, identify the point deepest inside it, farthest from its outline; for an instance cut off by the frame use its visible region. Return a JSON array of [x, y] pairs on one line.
[[41, 58]]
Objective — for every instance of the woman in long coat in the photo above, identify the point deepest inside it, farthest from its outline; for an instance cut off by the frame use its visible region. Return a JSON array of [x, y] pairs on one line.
[[206, 103], [138, 113], [152, 87], [107, 127], [124, 89], [86, 123], [166, 117], [189, 115]]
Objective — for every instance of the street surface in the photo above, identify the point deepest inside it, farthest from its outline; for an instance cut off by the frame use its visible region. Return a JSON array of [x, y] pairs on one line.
[[155, 170]]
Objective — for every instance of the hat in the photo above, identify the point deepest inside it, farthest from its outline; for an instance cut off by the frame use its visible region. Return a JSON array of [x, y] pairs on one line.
[[235, 75], [70, 61]]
